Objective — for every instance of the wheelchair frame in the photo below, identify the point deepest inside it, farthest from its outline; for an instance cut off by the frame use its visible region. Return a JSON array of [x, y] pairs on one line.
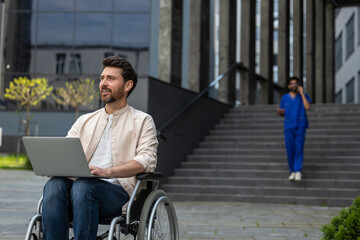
[[143, 213]]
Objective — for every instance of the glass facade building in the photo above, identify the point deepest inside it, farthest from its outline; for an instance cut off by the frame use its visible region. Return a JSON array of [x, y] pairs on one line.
[[66, 40]]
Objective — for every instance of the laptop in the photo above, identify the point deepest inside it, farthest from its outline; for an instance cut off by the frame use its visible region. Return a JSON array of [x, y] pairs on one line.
[[57, 156]]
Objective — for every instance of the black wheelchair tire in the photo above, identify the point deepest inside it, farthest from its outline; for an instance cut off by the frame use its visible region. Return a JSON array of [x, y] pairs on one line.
[[164, 207], [33, 237]]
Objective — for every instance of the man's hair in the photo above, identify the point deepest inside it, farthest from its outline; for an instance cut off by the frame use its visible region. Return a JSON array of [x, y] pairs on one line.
[[127, 71], [294, 78]]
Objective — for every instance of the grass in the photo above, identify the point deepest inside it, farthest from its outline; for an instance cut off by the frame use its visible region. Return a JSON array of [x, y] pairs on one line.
[[10, 161]]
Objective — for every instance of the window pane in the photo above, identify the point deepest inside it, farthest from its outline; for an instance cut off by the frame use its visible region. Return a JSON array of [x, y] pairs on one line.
[[132, 5], [131, 30], [56, 5], [26, 5], [338, 97], [75, 64], [60, 63], [358, 81], [94, 5], [93, 29], [358, 25], [350, 91], [338, 52], [19, 42], [55, 28], [350, 37]]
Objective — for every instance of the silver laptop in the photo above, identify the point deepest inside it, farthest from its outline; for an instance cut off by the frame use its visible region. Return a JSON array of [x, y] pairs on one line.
[[57, 156]]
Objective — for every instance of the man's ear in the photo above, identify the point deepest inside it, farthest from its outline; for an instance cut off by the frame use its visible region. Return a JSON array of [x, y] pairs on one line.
[[128, 85]]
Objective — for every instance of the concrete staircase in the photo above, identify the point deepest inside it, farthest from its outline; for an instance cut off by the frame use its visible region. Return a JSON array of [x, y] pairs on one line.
[[244, 159]]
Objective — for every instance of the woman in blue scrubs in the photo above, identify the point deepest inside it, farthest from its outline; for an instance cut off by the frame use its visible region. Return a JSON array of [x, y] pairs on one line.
[[293, 107]]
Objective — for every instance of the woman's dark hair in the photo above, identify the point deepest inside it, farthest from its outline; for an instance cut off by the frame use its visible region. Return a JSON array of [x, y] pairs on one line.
[[127, 71]]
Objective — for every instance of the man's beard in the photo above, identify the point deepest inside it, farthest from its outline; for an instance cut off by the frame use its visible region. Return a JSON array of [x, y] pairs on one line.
[[293, 90], [113, 96], [109, 100]]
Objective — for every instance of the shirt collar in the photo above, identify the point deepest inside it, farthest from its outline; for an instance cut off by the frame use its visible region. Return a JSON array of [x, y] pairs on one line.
[[118, 112]]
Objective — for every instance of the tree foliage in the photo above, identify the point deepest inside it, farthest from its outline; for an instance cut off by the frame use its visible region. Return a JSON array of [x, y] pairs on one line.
[[28, 93], [76, 94], [346, 226]]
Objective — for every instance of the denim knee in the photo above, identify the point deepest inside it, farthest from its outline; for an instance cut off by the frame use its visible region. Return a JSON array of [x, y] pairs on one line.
[[57, 186], [82, 188]]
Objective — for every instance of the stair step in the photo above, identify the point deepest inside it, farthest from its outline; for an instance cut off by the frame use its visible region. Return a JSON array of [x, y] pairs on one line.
[[277, 152], [280, 137], [261, 190], [265, 174], [261, 199], [271, 182], [266, 132], [279, 125], [312, 119], [265, 166], [277, 144], [267, 158]]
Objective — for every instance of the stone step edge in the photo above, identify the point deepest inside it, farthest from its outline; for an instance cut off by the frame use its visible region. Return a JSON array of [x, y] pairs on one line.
[[261, 171], [270, 164], [297, 188], [264, 179], [260, 196]]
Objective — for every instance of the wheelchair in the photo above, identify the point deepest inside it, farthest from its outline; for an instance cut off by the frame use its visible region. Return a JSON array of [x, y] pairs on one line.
[[150, 215]]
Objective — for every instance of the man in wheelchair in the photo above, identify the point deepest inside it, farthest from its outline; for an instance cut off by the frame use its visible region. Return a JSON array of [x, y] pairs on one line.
[[119, 142]]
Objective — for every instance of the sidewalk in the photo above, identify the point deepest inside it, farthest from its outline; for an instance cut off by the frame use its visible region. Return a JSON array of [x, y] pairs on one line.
[[20, 191]]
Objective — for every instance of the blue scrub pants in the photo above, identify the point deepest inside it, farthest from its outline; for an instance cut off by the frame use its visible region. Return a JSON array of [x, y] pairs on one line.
[[294, 141]]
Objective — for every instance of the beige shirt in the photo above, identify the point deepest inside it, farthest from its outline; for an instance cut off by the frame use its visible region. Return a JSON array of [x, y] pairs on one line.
[[133, 137]]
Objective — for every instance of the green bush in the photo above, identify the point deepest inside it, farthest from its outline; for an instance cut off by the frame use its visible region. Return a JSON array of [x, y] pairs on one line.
[[10, 161], [346, 226]]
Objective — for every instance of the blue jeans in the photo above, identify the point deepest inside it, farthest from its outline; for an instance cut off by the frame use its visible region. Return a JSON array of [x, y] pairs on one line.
[[84, 202], [294, 141]]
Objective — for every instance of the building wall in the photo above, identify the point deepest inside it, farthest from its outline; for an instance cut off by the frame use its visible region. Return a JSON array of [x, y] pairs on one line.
[[37, 30], [350, 66]]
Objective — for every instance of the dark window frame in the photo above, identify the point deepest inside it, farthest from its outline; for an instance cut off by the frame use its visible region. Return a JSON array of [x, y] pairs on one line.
[[350, 36], [350, 90]]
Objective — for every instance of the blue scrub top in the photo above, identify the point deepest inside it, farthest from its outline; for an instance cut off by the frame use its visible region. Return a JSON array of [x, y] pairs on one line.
[[295, 113]]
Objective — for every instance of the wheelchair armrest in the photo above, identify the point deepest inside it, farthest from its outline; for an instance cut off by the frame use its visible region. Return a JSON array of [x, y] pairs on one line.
[[149, 176]]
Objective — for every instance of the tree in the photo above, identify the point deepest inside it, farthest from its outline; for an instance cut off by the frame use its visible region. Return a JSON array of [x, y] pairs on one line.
[[28, 93], [76, 94]]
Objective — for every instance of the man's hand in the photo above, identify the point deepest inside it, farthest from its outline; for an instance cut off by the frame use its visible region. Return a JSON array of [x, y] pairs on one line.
[[305, 101], [300, 90], [280, 111], [102, 172], [125, 170]]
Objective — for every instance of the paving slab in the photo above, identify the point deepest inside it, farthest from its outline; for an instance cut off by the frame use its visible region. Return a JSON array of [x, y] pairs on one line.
[[20, 190]]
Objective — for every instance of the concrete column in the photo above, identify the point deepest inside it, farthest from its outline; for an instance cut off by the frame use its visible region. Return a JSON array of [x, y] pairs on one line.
[[329, 54], [247, 54], [2, 37], [298, 38], [283, 53], [310, 49], [267, 51], [204, 45], [319, 51], [194, 46], [164, 65], [227, 28], [232, 52], [176, 41]]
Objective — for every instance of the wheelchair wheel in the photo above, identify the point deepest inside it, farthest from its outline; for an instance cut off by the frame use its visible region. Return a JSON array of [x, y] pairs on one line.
[[158, 219], [33, 237]]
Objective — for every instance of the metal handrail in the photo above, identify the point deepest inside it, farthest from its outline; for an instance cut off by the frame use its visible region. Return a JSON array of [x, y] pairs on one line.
[[197, 97]]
